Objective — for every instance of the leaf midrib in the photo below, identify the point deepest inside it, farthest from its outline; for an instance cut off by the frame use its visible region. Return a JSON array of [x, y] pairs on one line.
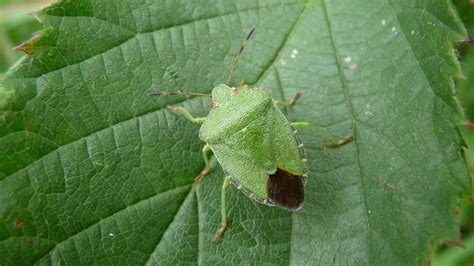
[[345, 87]]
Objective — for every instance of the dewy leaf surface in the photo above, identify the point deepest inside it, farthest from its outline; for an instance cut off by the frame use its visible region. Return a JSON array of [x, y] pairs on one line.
[[94, 171]]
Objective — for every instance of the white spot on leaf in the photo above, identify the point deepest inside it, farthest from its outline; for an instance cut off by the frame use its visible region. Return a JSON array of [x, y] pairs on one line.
[[294, 53]]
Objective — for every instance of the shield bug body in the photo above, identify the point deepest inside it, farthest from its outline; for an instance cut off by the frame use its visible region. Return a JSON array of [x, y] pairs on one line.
[[257, 147]]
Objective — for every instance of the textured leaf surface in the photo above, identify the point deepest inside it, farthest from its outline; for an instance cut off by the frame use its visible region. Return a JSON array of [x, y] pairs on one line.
[[94, 171]]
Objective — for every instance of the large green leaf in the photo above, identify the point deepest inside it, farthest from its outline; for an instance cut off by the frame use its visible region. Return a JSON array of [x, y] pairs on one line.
[[95, 171]]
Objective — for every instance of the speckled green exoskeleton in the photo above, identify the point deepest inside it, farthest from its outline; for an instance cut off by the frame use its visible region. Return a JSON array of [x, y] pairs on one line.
[[257, 147]]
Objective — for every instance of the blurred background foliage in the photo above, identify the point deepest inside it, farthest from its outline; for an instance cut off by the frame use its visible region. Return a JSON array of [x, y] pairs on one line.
[[16, 26]]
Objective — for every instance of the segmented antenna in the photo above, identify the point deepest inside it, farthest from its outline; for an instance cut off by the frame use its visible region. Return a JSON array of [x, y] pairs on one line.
[[177, 93], [237, 56]]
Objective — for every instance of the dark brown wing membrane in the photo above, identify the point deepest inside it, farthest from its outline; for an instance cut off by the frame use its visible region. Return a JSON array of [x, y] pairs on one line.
[[286, 190]]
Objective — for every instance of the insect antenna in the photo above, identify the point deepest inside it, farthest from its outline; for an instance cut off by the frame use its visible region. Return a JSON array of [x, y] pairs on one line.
[[237, 56], [177, 93]]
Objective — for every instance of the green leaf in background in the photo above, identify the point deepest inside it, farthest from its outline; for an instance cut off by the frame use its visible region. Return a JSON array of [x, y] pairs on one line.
[[94, 171], [15, 27]]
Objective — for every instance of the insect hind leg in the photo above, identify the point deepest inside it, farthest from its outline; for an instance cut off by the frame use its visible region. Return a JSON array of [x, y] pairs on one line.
[[207, 167], [224, 223], [343, 141]]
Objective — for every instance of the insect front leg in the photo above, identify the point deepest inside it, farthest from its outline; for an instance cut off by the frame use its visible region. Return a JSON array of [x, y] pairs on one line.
[[185, 113], [323, 133], [223, 227], [291, 102], [207, 167], [295, 98]]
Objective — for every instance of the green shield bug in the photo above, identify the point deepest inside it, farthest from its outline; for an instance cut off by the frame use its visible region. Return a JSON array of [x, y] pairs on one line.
[[257, 147]]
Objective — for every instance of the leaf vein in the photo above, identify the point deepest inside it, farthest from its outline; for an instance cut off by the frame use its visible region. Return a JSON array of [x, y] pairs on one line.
[[284, 44], [109, 216], [150, 257], [91, 134], [237, 12]]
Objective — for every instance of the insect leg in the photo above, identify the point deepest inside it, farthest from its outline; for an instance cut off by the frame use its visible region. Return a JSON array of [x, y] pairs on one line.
[[223, 227], [295, 98], [185, 113], [207, 167], [291, 102], [323, 133]]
